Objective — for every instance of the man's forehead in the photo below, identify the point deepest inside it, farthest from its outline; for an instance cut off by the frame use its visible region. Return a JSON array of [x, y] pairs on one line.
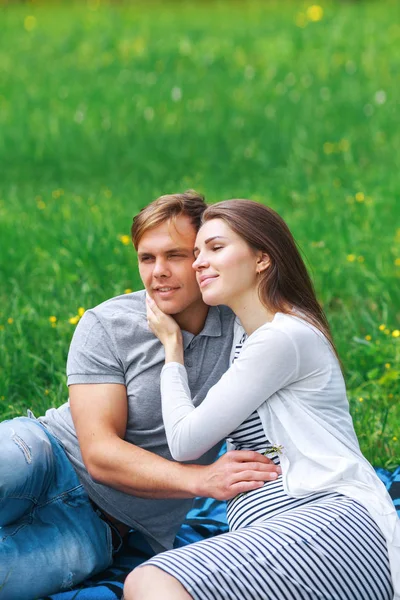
[[166, 248], [177, 234]]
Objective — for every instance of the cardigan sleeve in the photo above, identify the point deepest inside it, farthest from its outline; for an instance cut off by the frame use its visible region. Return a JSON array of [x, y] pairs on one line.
[[268, 362]]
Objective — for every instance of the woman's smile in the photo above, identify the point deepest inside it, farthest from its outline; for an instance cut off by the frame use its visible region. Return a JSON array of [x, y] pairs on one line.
[[205, 279]]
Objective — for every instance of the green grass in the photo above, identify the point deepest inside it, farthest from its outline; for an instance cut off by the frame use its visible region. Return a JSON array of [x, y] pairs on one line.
[[104, 107]]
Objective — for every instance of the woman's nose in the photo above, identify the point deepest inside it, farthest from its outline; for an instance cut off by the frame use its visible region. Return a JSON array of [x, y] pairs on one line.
[[199, 263]]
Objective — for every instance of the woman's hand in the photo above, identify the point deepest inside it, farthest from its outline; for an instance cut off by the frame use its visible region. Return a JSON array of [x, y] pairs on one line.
[[167, 330]]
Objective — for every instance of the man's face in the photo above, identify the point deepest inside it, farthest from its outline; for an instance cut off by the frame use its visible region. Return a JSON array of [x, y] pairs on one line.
[[165, 256]]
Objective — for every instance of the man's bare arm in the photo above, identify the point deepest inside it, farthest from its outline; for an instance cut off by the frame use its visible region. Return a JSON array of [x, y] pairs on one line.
[[100, 413]]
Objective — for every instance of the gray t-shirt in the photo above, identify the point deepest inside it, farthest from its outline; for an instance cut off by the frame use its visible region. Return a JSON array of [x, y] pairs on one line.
[[113, 344]]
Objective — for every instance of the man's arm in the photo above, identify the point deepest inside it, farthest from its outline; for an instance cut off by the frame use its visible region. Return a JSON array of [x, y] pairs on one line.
[[100, 412]]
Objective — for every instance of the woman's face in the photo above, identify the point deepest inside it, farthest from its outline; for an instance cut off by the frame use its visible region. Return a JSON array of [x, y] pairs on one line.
[[226, 267]]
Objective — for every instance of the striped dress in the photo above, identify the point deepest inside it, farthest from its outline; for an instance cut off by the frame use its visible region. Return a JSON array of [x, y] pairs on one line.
[[323, 546]]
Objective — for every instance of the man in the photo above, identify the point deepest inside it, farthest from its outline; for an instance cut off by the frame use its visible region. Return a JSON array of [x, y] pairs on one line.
[[74, 481]]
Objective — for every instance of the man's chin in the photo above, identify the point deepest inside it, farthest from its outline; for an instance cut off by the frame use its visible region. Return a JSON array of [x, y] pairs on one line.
[[168, 307]]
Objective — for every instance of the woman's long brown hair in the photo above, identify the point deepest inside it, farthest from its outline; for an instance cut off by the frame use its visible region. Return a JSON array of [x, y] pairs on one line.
[[285, 284]]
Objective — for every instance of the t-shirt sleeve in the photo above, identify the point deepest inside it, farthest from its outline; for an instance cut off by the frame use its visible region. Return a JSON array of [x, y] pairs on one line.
[[92, 357], [267, 363]]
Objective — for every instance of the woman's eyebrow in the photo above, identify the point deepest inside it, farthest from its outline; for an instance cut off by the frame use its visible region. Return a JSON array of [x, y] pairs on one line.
[[210, 239]]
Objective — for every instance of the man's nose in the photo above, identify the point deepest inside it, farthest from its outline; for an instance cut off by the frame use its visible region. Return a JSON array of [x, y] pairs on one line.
[[161, 269]]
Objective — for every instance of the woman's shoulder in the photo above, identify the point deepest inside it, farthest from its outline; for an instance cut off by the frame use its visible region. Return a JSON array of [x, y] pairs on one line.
[[296, 327]]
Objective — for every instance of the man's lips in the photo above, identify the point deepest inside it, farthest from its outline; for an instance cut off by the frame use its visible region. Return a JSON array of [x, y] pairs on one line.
[[165, 290], [206, 279]]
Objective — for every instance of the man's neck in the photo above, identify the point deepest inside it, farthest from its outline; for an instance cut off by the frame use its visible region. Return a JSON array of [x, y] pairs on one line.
[[193, 318]]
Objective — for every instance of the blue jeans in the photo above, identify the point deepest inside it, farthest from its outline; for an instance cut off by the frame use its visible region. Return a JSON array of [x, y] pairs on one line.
[[50, 536]]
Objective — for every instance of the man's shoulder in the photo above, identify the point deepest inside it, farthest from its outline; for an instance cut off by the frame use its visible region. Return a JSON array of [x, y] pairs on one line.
[[123, 315], [121, 306]]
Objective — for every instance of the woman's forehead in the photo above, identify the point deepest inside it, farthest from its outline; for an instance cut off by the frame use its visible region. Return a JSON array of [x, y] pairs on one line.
[[212, 228]]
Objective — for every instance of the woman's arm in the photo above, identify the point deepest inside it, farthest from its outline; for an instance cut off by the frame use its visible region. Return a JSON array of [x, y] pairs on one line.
[[266, 364]]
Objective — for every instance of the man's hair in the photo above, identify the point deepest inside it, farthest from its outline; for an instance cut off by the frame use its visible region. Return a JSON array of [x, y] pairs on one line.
[[168, 208]]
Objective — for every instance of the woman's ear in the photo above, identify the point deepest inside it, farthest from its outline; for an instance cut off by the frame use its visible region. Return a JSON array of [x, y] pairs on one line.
[[263, 262]]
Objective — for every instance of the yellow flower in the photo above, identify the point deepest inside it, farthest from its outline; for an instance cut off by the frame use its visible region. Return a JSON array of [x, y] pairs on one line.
[[41, 205], [360, 197], [46, 392], [10, 320], [361, 399], [127, 291], [368, 338], [397, 262], [382, 327], [351, 257], [329, 147], [387, 365], [396, 333], [93, 4], [360, 259], [387, 331], [394, 438], [315, 13], [53, 319], [74, 320], [30, 22], [344, 145], [301, 19], [81, 311], [139, 46], [124, 239]]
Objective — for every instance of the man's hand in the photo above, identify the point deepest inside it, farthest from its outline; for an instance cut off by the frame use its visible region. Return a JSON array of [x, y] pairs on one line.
[[236, 472]]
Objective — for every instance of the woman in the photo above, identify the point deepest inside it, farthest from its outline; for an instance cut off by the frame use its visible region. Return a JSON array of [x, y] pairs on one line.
[[326, 528]]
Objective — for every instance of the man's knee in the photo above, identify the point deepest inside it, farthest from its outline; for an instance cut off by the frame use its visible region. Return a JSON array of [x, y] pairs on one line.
[[25, 452]]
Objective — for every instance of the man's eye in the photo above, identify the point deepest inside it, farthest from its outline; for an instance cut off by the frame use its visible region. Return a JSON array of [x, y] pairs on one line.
[[146, 258], [176, 256]]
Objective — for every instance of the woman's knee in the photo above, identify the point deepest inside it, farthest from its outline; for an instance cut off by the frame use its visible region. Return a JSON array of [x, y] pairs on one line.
[[136, 584], [151, 583]]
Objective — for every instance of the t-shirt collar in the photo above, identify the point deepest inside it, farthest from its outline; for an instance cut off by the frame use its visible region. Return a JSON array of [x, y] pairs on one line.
[[212, 327]]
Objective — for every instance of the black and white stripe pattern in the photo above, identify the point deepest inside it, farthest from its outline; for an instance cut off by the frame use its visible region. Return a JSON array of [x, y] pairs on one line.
[[322, 547], [270, 500], [330, 550]]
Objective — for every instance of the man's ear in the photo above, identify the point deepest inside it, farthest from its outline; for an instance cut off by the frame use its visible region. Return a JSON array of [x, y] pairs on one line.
[[263, 262]]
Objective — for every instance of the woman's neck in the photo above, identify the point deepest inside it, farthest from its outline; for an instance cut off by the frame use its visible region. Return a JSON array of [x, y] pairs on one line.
[[251, 312]]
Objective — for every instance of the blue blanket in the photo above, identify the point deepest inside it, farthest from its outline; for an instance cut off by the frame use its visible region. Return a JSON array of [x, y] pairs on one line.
[[207, 518]]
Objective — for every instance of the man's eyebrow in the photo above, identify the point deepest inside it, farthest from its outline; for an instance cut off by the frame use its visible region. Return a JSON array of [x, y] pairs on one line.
[[169, 251], [210, 239]]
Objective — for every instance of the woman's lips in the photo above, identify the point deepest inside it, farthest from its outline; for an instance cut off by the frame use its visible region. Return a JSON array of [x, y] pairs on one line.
[[205, 280]]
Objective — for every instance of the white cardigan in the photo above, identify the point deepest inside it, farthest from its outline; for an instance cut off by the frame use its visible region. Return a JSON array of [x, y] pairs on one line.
[[288, 372]]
